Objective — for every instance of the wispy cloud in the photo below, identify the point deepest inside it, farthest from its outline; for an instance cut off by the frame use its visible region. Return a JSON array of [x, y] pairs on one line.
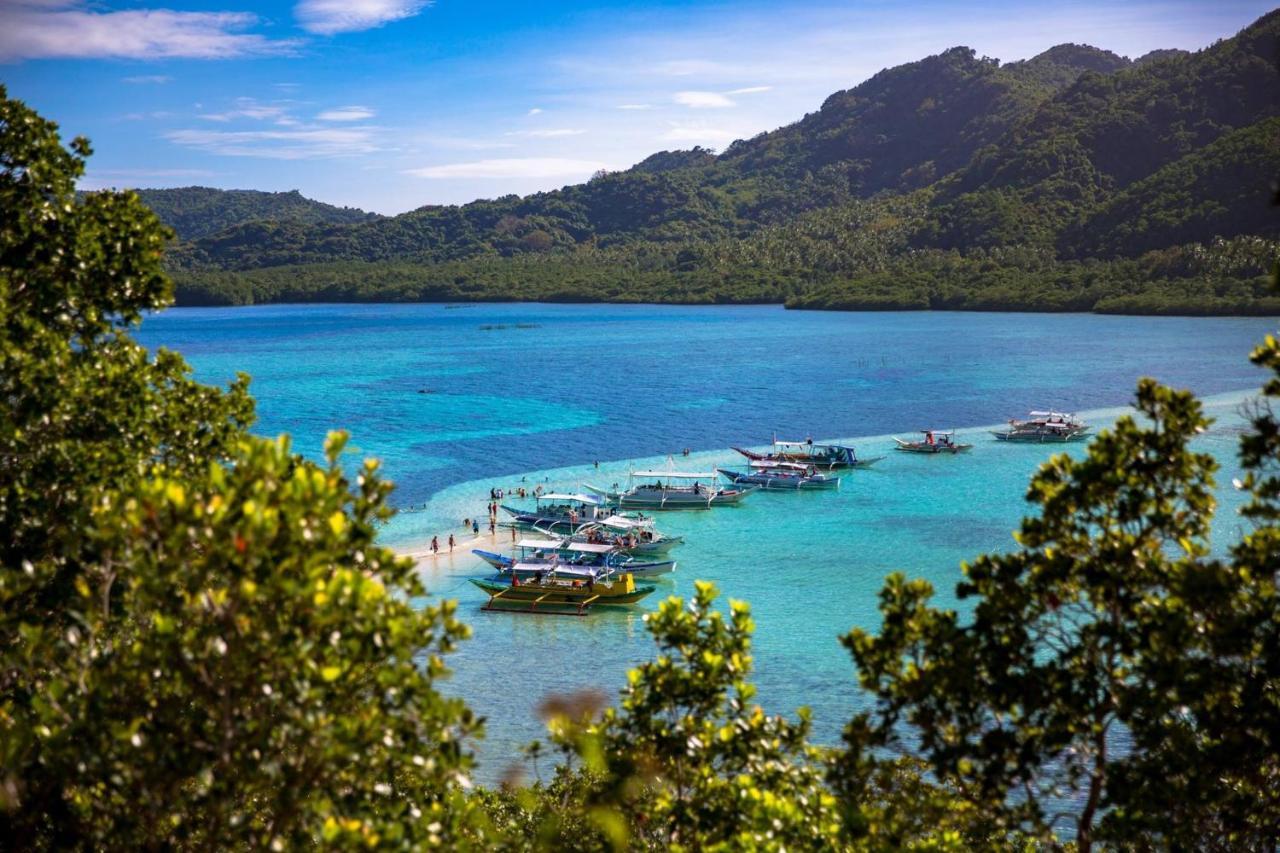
[[635, 106], [353, 113], [45, 29], [702, 100], [535, 111], [304, 144], [252, 109], [749, 90], [513, 167], [148, 78], [550, 133], [327, 17]]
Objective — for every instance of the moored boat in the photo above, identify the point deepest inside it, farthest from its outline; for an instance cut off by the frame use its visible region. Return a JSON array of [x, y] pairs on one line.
[[781, 476], [1040, 427], [553, 593], [564, 555], [557, 511], [820, 456], [934, 441], [667, 491]]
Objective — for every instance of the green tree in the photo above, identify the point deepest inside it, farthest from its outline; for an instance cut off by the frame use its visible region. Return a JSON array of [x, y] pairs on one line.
[[201, 644], [1112, 680]]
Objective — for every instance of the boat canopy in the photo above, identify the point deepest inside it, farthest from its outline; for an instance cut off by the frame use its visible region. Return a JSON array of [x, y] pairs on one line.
[[1051, 414], [675, 475], [590, 547], [780, 443], [557, 496], [621, 522], [548, 544], [938, 431]]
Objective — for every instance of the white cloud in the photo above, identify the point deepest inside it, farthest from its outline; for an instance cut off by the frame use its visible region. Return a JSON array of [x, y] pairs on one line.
[[550, 133], [749, 90], [64, 29], [535, 111], [635, 106], [305, 144], [514, 167], [148, 78], [353, 113], [327, 17], [702, 100]]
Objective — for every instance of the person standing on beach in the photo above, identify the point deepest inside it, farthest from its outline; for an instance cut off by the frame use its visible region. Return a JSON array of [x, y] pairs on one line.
[[435, 544], [475, 527], [493, 527], [450, 543]]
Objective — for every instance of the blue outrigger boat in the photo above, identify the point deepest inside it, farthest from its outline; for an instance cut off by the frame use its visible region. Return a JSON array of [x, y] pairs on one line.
[[782, 476]]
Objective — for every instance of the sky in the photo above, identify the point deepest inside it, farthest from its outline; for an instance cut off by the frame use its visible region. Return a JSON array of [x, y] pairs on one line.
[[389, 105]]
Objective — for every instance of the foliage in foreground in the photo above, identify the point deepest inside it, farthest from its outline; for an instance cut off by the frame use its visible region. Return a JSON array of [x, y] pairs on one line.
[[202, 644]]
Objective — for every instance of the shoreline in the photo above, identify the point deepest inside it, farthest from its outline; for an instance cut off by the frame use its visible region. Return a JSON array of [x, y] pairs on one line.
[[1164, 311]]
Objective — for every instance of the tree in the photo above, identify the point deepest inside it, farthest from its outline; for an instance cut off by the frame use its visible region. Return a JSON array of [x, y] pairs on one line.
[[1112, 679], [201, 644]]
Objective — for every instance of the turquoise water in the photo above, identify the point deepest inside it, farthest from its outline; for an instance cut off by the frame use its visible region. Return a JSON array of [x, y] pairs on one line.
[[627, 385]]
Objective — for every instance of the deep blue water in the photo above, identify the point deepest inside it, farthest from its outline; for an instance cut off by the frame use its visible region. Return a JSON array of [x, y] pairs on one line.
[[559, 387]]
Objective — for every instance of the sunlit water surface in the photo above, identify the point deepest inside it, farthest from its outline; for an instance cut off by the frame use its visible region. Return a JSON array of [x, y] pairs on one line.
[[457, 400]]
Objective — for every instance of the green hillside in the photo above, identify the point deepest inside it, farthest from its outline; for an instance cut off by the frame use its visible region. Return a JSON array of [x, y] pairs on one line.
[[195, 212], [940, 183]]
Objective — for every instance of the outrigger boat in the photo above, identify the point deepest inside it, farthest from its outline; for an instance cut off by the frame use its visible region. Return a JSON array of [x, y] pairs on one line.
[[821, 456], [554, 593], [636, 537], [934, 441], [541, 555], [666, 491], [563, 513], [1044, 427], [782, 476]]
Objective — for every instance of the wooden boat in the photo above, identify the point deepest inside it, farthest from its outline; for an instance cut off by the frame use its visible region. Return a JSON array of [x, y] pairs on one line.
[[1041, 427], [554, 594], [635, 536], [821, 456], [934, 441], [782, 476], [666, 491]]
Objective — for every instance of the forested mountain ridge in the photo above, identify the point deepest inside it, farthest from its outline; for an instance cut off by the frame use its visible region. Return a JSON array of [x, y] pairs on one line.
[[195, 212], [955, 162]]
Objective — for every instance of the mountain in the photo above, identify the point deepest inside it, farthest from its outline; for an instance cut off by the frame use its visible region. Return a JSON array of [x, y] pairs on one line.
[[945, 182], [195, 212]]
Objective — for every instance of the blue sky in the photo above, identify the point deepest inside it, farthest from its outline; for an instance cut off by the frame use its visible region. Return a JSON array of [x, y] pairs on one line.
[[392, 104]]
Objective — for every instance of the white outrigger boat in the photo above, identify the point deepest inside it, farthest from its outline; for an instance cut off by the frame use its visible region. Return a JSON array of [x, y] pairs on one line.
[[821, 456], [667, 491], [781, 476], [558, 511], [579, 559], [1042, 427], [934, 441]]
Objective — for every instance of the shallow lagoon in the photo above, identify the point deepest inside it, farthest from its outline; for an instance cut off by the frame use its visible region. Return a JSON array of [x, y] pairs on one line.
[[547, 390]]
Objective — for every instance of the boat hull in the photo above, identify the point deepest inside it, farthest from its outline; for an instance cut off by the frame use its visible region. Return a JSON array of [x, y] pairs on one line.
[[646, 568], [562, 593], [932, 449], [783, 484], [1022, 437]]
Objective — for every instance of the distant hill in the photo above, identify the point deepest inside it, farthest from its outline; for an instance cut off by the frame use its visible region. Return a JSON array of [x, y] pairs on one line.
[[195, 212], [939, 183]]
